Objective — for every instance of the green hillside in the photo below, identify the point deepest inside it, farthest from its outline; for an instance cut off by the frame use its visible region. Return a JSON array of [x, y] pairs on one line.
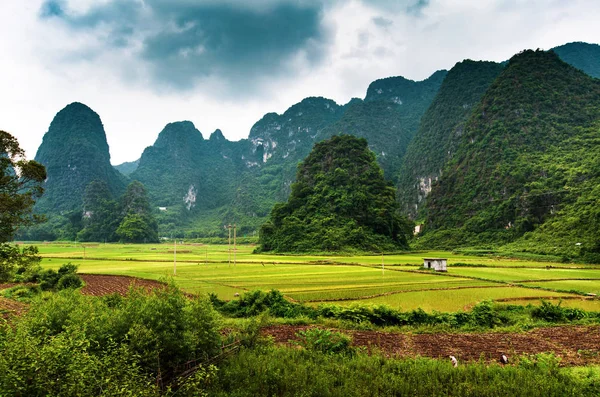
[[75, 152], [583, 56], [441, 129], [339, 202], [127, 167], [526, 157]]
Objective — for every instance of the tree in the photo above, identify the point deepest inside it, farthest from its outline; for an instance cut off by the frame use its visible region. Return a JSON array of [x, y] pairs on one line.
[[138, 224], [20, 185]]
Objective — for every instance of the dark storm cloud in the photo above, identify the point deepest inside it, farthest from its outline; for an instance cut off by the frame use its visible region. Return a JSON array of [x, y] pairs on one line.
[[183, 40]]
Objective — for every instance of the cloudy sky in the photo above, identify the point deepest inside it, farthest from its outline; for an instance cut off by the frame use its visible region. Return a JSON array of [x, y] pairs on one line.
[[224, 63]]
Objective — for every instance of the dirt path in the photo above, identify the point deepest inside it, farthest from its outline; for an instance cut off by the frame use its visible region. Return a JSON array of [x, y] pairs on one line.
[[575, 345]]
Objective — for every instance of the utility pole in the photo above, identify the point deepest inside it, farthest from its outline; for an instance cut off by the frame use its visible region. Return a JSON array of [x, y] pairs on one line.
[[175, 257], [382, 265], [234, 244], [229, 243]]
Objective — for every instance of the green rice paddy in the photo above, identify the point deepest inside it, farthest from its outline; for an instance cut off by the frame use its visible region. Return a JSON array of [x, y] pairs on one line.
[[366, 279]]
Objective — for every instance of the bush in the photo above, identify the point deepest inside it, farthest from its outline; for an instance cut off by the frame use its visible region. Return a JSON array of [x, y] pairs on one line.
[[66, 277], [14, 261], [149, 336], [69, 281], [325, 341], [556, 313]]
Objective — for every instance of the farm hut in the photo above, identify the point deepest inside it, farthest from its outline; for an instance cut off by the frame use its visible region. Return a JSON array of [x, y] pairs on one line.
[[439, 264]]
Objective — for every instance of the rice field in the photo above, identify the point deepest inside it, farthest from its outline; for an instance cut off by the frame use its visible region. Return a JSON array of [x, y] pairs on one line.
[[453, 300], [367, 279]]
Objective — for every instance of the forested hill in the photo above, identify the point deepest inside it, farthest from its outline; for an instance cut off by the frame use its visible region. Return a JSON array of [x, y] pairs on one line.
[[75, 152], [201, 184], [583, 56], [441, 129], [204, 184], [339, 202], [527, 153]]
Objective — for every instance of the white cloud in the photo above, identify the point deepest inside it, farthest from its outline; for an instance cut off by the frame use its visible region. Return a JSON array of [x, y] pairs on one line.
[[39, 78]]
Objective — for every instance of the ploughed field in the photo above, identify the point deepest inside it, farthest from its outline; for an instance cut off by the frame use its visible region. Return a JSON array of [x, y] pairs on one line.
[[343, 280], [573, 345]]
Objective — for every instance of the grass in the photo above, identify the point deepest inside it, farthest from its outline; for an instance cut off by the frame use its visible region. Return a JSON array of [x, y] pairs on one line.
[[312, 278]]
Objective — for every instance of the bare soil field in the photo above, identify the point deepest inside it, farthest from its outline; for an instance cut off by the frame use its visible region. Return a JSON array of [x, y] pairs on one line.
[[100, 285], [575, 345], [9, 307]]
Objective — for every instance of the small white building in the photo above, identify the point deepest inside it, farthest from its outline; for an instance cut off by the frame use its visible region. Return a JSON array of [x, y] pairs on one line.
[[438, 264]]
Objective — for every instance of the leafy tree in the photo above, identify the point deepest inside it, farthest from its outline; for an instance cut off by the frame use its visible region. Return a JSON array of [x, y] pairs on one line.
[[138, 224], [17, 261], [340, 201], [20, 185]]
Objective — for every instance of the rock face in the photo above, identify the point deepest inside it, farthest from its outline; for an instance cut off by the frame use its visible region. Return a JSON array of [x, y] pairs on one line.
[[75, 153], [526, 154]]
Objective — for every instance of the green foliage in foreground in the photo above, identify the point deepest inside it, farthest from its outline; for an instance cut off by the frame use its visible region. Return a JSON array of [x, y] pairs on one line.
[[282, 372], [161, 344], [484, 315], [339, 202], [15, 261], [69, 344]]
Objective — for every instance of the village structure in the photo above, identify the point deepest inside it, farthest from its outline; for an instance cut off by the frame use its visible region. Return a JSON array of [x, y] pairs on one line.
[[438, 264]]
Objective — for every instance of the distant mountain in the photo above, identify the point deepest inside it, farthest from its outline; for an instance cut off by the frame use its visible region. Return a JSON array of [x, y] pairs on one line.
[[441, 129], [528, 153], [75, 152], [419, 131], [128, 167], [583, 56], [389, 116]]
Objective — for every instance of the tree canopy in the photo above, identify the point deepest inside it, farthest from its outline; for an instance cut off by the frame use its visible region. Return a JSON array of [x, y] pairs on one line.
[[20, 185], [339, 202]]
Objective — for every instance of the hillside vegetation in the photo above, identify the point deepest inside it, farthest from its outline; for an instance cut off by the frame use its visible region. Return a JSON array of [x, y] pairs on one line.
[[340, 201], [528, 156], [441, 129]]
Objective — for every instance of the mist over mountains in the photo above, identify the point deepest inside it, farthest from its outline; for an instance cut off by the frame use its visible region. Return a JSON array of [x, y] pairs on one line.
[[461, 134]]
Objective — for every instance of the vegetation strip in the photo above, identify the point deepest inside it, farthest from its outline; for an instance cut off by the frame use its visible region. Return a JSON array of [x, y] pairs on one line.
[[405, 291], [568, 342]]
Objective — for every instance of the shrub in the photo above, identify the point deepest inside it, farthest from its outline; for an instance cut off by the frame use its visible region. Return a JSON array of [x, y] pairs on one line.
[[161, 335], [69, 280], [325, 341]]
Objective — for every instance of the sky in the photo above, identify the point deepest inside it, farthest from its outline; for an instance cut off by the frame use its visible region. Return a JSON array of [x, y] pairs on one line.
[[141, 64]]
